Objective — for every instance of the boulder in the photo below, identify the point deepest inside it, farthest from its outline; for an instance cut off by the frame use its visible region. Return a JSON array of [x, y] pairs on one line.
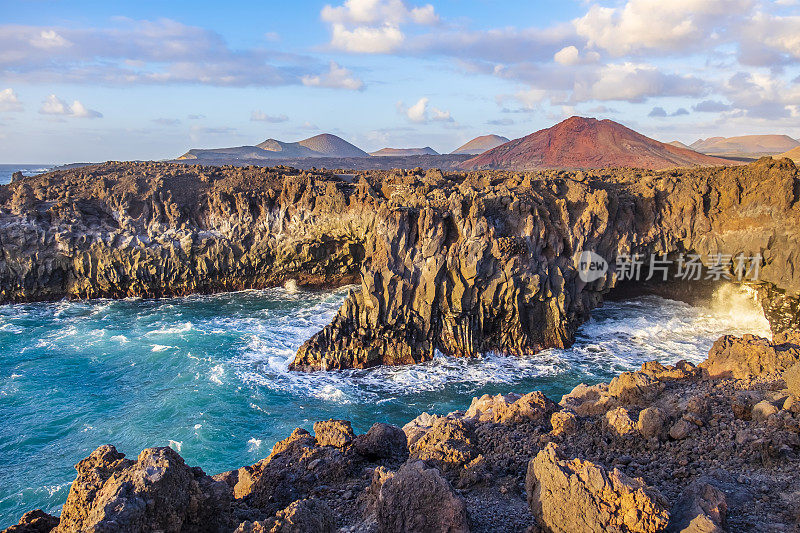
[[701, 508], [417, 499], [748, 356], [681, 429], [301, 516], [447, 444], [564, 422], [511, 408], [588, 400], [763, 410], [296, 466], [792, 379], [568, 496], [157, 492], [618, 421], [417, 428], [680, 370], [382, 441], [36, 521], [337, 433], [635, 388], [652, 422]]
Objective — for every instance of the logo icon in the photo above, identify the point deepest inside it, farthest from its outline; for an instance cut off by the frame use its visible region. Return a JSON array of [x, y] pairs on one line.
[[591, 266]]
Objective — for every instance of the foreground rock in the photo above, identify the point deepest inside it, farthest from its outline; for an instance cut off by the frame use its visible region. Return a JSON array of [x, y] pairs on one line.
[[664, 448], [157, 492], [36, 521], [463, 263], [569, 496], [417, 499]]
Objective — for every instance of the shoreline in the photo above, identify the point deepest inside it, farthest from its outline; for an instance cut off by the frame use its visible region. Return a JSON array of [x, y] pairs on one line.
[[696, 426]]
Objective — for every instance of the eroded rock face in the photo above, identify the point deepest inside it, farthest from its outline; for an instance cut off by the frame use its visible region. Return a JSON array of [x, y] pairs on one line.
[[417, 499], [462, 263], [156, 492], [598, 500]]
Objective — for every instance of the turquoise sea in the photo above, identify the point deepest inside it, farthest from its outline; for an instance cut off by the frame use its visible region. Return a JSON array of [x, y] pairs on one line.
[[207, 375]]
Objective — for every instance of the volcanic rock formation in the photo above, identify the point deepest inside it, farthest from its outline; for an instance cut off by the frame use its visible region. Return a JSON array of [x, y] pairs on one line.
[[460, 263], [588, 143]]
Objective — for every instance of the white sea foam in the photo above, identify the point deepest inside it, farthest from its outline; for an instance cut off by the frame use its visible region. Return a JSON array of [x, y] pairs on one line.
[[253, 444], [620, 337], [160, 348], [217, 373], [176, 445]]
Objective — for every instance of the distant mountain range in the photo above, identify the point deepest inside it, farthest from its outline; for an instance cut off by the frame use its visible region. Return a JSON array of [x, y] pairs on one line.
[[588, 143], [478, 145], [577, 142], [404, 152], [325, 145], [745, 145]]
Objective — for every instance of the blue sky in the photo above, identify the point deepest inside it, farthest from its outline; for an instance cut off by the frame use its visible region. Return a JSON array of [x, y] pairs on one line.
[[89, 81]]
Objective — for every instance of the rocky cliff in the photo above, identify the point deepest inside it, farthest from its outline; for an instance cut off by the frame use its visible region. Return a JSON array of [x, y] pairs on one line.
[[463, 263]]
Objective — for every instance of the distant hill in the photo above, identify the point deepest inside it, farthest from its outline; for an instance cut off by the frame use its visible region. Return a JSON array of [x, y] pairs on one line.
[[588, 143], [793, 154], [404, 152], [745, 145], [478, 145], [679, 144], [325, 145], [332, 146]]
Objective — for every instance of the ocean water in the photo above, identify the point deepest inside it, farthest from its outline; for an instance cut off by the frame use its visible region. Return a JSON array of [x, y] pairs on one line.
[[28, 170], [207, 375]]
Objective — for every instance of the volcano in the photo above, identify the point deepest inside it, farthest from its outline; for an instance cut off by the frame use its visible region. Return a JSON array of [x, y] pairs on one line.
[[580, 142]]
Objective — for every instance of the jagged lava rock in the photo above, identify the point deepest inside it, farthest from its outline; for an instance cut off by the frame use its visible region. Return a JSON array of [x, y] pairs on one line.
[[36, 521], [571, 496], [749, 355], [417, 499], [156, 492]]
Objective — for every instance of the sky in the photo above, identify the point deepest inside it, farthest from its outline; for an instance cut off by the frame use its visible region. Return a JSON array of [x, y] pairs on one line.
[[100, 80]]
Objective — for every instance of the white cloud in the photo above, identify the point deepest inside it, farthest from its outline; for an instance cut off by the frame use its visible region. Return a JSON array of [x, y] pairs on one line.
[[48, 39], [374, 26], [656, 25], [53, 105], [376, 12], [635, 82], [260, 116], [9, 102], [568, 55], [367, 40], [768, 40], [421, 113], [141, 52], [337, 77]]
